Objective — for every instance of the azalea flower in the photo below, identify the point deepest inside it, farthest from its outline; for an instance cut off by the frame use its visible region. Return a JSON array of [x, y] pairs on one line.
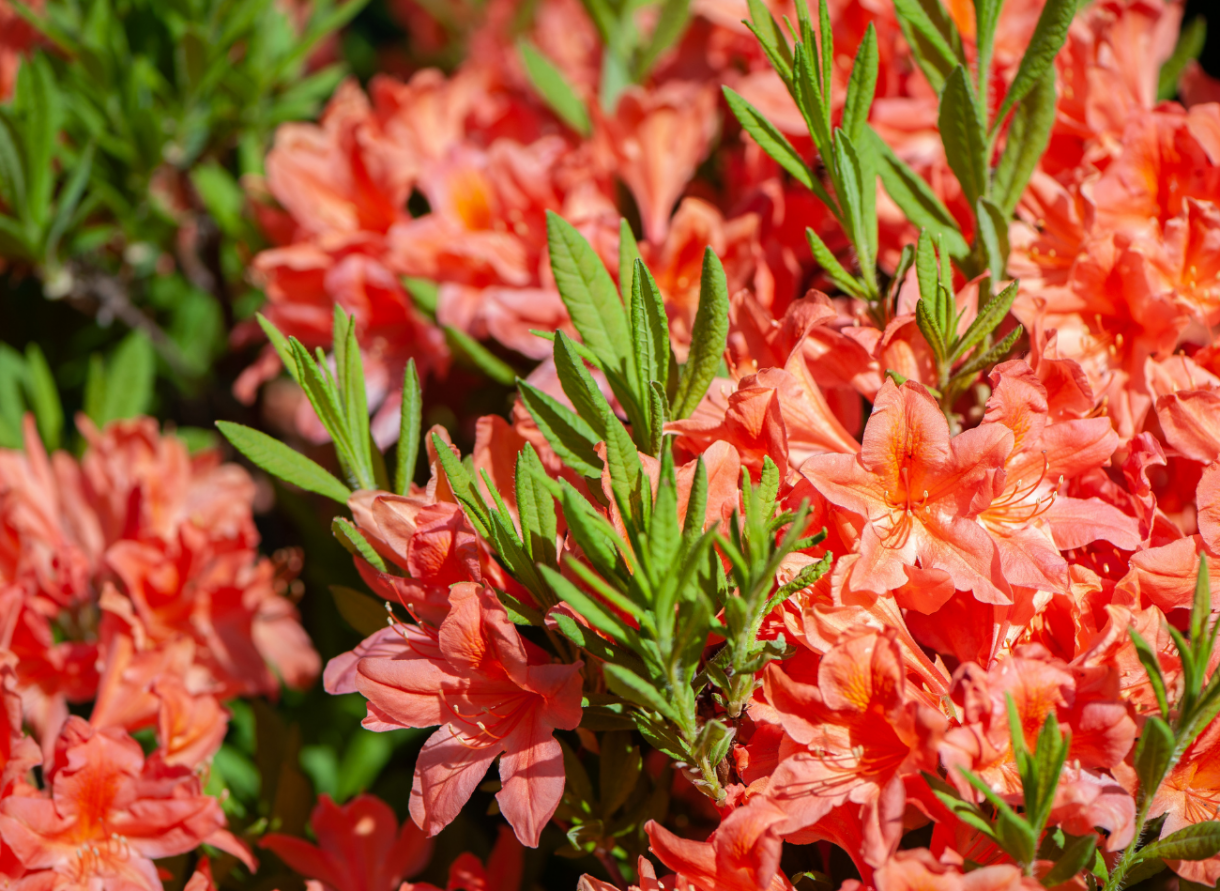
[[107, 812], [491, 691], [915, 493], [360, 847]]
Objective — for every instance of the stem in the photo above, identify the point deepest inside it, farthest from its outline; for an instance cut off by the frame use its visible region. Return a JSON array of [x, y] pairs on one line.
[[610, 865]]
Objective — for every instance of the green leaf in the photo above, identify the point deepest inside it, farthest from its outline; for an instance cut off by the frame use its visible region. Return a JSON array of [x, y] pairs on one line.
[[672, 22], [1200, 611], [1049, 34], [709, 337], [988, 318], [929, 39], [472, 353], [1197, 842], [69, 201], [775, 144], [632, 687], [463, 487], [1190, 45], [554, 90], [221, 195], [425, 294], [12, 166], [772, 39], [43, 397], [628, 253], [655, 323], [832, 267], [961, 131], [861, 86], [282, 462], [282, 347], [578, 385], [566, 432], [993, 356], [362, 612], [1026, 141], [129, 378], [408, 429], [589, 294], [38, 101], [809, 99], [591, 610], [929, 327], [356, 544], [1152, 755], [1076, 856], [993, 234], [986, 16], [535, 507], [1152, 666]]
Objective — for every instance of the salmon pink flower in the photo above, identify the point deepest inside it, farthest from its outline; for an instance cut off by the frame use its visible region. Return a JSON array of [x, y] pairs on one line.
[[657, 137], [853, 737], [742, 854], [1084, 697], [502, 872], [360, 847], [491, 691], [107, 813], [915, 493]]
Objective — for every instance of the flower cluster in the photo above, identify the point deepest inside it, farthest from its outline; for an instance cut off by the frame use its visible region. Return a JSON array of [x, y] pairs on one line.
[[130, 584]]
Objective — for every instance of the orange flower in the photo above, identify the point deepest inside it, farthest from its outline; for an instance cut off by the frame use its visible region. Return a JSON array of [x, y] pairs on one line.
[[854, 737], [360, 847], [492, 692], [107, 813], [915, 492]]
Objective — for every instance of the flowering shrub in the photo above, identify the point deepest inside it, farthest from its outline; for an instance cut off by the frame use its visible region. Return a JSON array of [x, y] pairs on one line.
[[768, 446]]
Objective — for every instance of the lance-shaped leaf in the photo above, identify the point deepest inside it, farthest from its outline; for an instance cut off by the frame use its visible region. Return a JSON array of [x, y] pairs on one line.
[[592, 610], [464, 489], [861, 86], [809, 99], [988, 318], [1190, 45], [961, 131], [708, 338], [832, 267], [1152, 666], [986, 16], [915, 197], [629, 685], [1049, 34], [992, 233], [282, 462], [589, 294], [553, 88], [674, 17], [931, 36], [1076, 856], [566, 432], [1197, 842], [1027, 139], [1152, 755], [772, 39], [535, 507], [408, 429], [356, 544], [775, 144]]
